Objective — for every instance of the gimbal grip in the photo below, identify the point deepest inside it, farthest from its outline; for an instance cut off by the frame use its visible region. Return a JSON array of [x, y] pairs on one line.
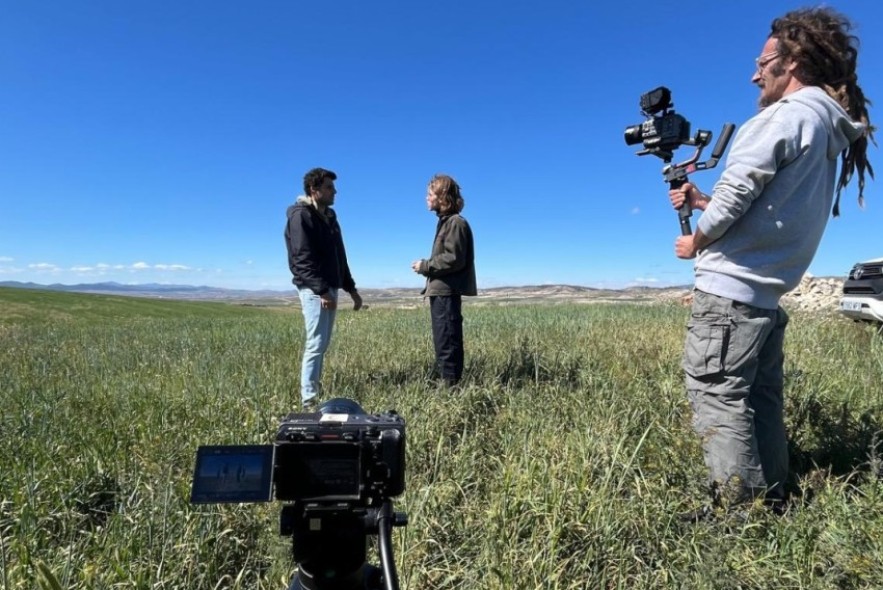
[[686, 230], [685, 211]]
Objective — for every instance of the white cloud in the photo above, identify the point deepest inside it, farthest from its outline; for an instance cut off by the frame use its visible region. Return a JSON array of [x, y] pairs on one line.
[[133, 272], [139, 266], [173, 267], [646, 280], [636, 210], [9, 270]]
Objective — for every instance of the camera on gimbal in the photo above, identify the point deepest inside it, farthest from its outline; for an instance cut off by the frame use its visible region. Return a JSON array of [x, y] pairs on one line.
[[663, 132], [338, 470]]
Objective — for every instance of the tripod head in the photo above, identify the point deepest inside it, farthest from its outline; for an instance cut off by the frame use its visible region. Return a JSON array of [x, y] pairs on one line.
[[329, 544]]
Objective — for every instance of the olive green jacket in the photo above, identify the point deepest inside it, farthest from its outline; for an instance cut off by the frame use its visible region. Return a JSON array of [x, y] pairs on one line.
[[451, 268]]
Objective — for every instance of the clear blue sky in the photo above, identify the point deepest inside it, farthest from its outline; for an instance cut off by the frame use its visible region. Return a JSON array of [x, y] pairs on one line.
[[159, 141]]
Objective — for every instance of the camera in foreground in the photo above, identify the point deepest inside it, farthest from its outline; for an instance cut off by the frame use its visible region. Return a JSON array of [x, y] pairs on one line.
[[337, 470]]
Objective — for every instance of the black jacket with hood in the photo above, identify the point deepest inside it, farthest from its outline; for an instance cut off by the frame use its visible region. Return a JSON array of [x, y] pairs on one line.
[[316, 255]]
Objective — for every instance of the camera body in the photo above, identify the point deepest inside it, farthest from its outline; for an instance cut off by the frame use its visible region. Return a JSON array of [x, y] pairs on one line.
[[337, 469], [340, 457], [664, 130]]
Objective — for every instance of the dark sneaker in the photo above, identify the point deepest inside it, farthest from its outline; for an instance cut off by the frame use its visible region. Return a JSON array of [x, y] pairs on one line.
[[776, 506]]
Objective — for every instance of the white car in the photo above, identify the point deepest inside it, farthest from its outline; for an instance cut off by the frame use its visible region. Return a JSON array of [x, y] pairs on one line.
[[863, 292]]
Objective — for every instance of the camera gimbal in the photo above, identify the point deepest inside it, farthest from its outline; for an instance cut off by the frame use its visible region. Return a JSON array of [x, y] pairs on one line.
[[676, 174], [663, 133]]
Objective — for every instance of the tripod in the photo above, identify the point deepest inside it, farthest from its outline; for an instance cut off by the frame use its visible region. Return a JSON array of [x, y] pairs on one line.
[[329, 544]]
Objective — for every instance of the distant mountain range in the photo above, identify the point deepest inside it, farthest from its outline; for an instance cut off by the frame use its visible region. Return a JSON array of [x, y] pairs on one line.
[[551, 293], [155, 290], [812, 294]]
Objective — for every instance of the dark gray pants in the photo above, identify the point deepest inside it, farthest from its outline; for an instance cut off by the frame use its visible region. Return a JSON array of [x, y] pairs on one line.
[[733, 359], [447, 335]]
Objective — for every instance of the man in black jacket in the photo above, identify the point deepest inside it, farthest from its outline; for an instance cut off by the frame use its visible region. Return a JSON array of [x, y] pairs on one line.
[[317, 259], [450, 274]]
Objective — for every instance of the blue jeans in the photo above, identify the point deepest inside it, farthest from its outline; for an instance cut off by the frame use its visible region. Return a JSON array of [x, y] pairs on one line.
[[733, 361], [318, 323]]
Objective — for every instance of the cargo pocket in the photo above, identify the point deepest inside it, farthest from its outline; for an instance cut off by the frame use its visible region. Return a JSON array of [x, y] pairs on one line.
[[705, 347]]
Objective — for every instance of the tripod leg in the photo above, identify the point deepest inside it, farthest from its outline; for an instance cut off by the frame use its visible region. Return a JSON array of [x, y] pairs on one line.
[[387, 561]]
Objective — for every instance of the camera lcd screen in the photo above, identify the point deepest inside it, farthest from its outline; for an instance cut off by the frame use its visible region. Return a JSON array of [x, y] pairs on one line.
[[318, 471], [236, 473]]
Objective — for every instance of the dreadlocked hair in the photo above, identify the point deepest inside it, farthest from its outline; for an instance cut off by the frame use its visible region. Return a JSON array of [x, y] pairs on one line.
[[818, 40]]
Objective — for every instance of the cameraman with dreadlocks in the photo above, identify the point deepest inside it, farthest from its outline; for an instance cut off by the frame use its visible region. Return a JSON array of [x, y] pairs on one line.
[[757, 235]]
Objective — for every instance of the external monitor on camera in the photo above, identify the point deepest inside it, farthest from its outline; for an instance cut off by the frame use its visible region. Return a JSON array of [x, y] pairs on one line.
[[235, 473]]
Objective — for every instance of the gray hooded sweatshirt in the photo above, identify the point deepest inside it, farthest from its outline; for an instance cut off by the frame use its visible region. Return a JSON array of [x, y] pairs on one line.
[[770, 207]]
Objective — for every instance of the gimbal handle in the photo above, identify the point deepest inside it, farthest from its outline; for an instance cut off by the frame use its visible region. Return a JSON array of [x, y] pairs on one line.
[[676, 174], [685, 211]]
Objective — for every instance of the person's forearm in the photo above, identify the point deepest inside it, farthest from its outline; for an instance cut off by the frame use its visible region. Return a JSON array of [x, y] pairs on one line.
[[700, 240], [703, 202]]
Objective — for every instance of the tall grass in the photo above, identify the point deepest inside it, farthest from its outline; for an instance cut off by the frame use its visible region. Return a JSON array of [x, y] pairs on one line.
[[560, 464]]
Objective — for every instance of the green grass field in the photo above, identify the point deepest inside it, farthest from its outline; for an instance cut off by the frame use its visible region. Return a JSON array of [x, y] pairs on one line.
[[560, 464]]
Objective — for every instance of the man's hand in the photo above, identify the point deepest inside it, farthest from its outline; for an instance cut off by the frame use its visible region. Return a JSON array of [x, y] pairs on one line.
[[685, 247], [688, 247], [326, 301], [415, 266], [357, 300], [686, 191]]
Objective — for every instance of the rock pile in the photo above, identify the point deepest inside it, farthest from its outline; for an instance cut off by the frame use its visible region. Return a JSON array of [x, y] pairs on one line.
[[812, 295], [815, 294]]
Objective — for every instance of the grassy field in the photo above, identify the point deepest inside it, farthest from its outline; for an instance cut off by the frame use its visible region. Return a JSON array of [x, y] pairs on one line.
[[560, 464]]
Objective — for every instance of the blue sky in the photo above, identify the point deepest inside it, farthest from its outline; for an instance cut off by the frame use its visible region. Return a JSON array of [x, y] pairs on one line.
[[160, 141]]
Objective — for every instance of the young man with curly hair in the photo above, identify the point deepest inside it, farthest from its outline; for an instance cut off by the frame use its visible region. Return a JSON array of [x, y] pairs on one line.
[[450, 274]]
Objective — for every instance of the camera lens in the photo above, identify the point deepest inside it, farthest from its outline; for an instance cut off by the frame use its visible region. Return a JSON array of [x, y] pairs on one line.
[[340, 405], [633, 134]]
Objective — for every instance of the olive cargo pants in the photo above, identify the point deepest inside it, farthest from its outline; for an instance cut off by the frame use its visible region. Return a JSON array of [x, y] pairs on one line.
[[733, 359]]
